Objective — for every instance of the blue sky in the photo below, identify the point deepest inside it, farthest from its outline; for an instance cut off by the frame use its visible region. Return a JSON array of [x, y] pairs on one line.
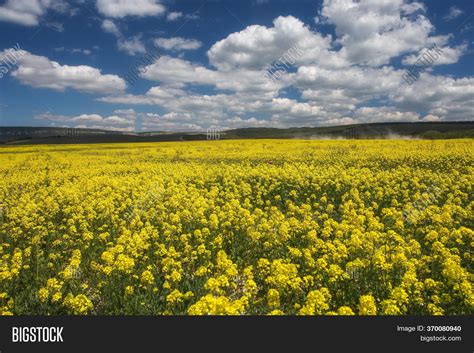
[[229, 64]]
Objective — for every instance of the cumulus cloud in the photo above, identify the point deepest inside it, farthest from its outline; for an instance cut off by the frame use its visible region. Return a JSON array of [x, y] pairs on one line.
[[442, 56], [177, 43], [334, 87], [39, 71], [373, 32], [257, 47], [358, 82], [445, 97], [29, 12], [171, 70], [155, 96], [216, 110], [123, 8], [349, 78]]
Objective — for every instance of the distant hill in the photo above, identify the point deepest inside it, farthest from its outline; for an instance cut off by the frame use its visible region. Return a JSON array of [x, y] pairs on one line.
[[425, 130]]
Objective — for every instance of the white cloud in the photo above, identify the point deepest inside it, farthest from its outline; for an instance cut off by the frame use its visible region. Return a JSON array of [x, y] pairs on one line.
[[192, 16], [155, 96], [373, 32], [378, 114], [173, 16], [131, 46], [446, 97], [39, 71], [109, 26], [431, 117], [442, 56], [216, 110], [122, 120], [343, 90], [29, 12], [178, 43], [342, 80], [454, 12], [331, 95], [257, 47], [74, 50], [123, 8], [169, 122], [171, 70]]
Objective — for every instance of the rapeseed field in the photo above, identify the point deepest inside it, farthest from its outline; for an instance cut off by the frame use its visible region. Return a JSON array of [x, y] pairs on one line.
[[251, 227]]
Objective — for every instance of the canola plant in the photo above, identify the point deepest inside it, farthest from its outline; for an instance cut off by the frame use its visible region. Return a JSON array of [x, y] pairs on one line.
[[251, 227]]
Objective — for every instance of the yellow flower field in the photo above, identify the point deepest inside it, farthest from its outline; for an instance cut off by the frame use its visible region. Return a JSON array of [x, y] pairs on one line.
[[250, 227]]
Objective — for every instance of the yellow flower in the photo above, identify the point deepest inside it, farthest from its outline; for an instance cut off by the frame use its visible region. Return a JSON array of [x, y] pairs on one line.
[[43, 294], [283, 275], [56, 297], [273, 298], [367, 305], [78, 305], [316, 302], [175, 297], [147, 278], [345, 310], [435, 310], [211, 305], [389, 307], [129, 290], [175, 276], [124, 263], [201, 271], [72, 269], [251, 226]]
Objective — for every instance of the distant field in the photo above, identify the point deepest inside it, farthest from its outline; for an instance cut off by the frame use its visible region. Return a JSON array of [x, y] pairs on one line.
[[238, 227], [419, 130]]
